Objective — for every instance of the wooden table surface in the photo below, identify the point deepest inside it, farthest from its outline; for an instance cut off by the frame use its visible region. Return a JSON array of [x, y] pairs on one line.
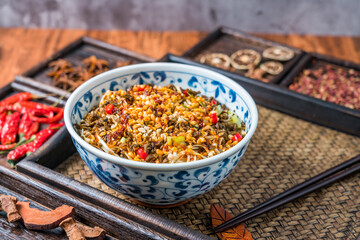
[[24, 48]]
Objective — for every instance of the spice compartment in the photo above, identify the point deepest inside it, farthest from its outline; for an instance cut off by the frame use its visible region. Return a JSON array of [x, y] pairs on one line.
[[227, 41], [280, 98], [75, 53], [333, 72], [61, 136]]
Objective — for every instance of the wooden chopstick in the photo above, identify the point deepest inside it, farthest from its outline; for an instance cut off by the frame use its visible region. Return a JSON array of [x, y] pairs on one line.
[[332, 175]]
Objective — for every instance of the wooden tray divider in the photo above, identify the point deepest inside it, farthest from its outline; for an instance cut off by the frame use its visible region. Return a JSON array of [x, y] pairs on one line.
[[25, 81], [107, 201], [50, 99], [48, 196]]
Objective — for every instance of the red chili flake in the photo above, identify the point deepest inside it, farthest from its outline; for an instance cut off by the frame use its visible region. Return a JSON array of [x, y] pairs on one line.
[[141, 88], [185, 93], [142, 154], [213, 102], [109, 108], [214, 117], [237, 137]]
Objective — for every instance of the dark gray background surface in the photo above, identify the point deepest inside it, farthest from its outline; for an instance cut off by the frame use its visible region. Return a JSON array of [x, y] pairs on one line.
[[323, 17]]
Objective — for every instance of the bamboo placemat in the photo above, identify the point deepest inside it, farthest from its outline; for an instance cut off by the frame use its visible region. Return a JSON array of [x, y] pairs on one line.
[[283, 152]]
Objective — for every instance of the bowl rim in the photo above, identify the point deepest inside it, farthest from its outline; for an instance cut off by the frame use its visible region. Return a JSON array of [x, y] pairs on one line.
[[165, 67]]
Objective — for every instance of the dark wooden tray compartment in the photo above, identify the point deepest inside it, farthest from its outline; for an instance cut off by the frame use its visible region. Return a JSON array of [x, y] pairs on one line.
[[315, 60], [75, 52], [59, 137], [282, 99], [44, 197], [17, 230], [228, 40]]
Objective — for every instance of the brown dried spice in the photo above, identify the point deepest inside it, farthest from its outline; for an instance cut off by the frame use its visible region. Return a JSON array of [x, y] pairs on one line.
[[8, 204], [69, 77], [219, 216]]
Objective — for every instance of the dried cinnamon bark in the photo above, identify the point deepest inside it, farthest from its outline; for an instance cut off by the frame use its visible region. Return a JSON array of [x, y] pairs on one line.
[[218, 216], [8, 204], [78, 231], [42, 220]]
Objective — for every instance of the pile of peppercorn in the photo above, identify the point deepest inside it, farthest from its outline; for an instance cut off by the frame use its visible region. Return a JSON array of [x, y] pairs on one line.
[[20, 120], [330, 83]]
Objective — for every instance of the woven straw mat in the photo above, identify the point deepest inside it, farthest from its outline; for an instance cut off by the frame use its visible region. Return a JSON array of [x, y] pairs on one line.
[[284, 151]]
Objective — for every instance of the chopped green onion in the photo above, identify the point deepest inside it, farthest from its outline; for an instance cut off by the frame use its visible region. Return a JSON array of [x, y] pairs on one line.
[[179, 139], [236, 120], [122, 140], [218, 110]]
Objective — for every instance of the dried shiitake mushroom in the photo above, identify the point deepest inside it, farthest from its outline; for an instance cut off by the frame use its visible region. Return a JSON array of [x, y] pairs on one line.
[[272, 67], [244, 59], [278, 53], [256, 73], [219, 60]]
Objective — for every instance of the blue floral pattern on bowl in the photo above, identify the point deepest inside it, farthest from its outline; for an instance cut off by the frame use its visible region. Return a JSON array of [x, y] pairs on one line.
[[161, 187]]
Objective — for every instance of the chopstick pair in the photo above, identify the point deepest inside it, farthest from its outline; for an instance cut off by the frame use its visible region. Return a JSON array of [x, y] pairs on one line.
[[332, 175]]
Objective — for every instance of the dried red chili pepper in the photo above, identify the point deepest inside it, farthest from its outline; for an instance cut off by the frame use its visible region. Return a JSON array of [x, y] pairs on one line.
[[7, 147], [10, 128], [213, 117], [14, 155], [35, 109], [109, 108], [27, 127], [31, 147], [56, 125], [42, 112], [142, 154], [33, 130], [18, 97], [237, 137], [56, 118], [28, 106], [2, 120]]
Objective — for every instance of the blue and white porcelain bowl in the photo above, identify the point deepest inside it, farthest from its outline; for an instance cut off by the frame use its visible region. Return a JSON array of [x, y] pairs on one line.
[[151, 183]]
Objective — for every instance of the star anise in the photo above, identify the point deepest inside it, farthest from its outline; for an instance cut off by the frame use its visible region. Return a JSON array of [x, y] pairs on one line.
[[95, 65]]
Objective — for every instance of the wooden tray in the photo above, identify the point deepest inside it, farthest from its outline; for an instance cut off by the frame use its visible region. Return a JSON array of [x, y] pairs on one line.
[[227, 40], [280, 98], [118, 226], [59, 137], [75, 53], [40, 167]]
